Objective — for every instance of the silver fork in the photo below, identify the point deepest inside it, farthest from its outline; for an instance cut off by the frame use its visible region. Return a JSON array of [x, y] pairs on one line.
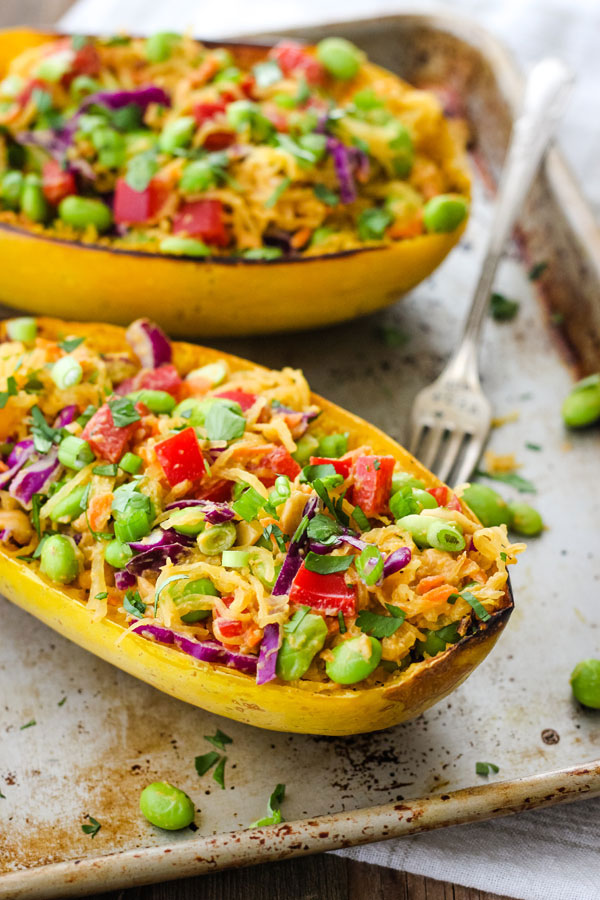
[[450, 419]]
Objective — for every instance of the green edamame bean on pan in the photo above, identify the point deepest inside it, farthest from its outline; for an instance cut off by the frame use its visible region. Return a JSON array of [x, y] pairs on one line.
[[585, 682], [444, 213], [525, 519], [81, 212], [300, 647], [166, 806], [350, 664], [11, 186], [489, 507], [340, 57], [582, 406], [59, 560], [33, 203]]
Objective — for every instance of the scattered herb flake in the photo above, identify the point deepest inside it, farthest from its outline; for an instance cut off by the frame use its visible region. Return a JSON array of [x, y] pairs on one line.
[[326, 565], [300, 614], [92, 828], [110, 470], [379, 626], [62, 702], [71, 344], [360, 519], [517, 481], [476, 605], [532, 446], [279, 190], [134, 605], [206, 761], [325, 195], [28, 724], [163, 586], [123, 412], [11, 391], [36, 504], [484, 768], [43, 434], [503, 309], [392, 336], [276, 532], [503, 556], [2, 796], [219, 773], [219, 739], [342, 622], [273, 816], [101, 596], [537, 271]]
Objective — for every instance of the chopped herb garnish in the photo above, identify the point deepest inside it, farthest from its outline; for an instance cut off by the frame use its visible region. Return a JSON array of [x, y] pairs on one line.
[[380, 626], [557, 318], [298, 617], [223, 423], [326, 565], [360, 519], [37, 502], [537, 270], [33, 385], [503, 556], [303, 525], [43, 434], [517, 481], [28, 725], [71, 344], [279, 190], [476, 605], [86, 415], [325, 195], [392, 336], [2, 796], [342, 622], [123, 412], [141, 169], [219, 739], [101, 596], [273, 816], [219, 773], [11, 391], [276, 532], [484, 768], [323, 529], [62, 702], [532, 446], [503, 309], [163, 586], [321, 470], [134, 605], [110, 470], [335, 508], [93, 828], [206, 761]]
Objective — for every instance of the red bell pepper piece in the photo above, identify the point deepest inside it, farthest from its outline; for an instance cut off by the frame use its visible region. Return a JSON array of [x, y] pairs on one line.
[[327, 593], [203, 112], [292, 57], [244, 399], [373, 483], [202, 219], [180, 457], [218, 140], [104, 437], [131, 207], [87, 61], [280, 462], [440, 494], [218, 491], [165, 378], [342, 466], [229, 628], [454, 503], [57, 183]]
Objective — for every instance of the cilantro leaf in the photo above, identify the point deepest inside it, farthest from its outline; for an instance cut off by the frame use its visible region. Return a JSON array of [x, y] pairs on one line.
[[298, 617], [360, 519], [323, 529], [43, 434], [273, 816], [141, 170], [484, 768], [134, 605], [163, 586], [123, 412], [503, 309], [325, 195], [219, 773], [475, 604], [28, 725], [276, 532], [517, 481], [92, 828], [206, 761], [380, 626], [71, 344], [219, 739], [11, 391], [326, 565]]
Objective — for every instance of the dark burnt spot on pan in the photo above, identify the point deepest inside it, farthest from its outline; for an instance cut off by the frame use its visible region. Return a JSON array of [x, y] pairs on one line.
[[550, 736]]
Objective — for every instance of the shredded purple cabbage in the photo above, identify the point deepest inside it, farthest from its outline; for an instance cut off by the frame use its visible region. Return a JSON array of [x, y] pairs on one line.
[[20, 452], [205, 651], [161, 537], [215, 513], [396, 561], [149, 343], [156, 557], [293, 558], [142, 96], [267, 658], [342, 160], [35, 478], [124, 580], [67, 415]]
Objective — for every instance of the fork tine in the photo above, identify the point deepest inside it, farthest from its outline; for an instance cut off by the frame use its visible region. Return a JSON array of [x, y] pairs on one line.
[[432, 445], [417, 430], [451, 452], [469, 460]]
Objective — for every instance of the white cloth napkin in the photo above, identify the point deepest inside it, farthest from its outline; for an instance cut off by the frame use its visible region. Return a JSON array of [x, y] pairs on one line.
[[546, 854]]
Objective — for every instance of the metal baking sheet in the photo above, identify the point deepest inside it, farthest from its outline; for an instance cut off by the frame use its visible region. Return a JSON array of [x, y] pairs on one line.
[[100, 736]]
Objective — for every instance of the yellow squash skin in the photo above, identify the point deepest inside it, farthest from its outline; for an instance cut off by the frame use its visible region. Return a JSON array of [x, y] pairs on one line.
[[299, 708], [210, 297]]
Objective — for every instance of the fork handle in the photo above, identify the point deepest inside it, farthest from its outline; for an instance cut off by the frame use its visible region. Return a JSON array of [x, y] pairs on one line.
[[546, 91]]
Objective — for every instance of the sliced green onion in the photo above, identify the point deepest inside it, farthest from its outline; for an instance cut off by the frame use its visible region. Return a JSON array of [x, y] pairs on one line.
[[217, 538], [23, 329], [75, 453], [326, 565], [131, 463], [186, 521], [235, 559], [156, 401], [215, 373], [248, 504], [132, 525], [369, 565], [66, 373], [445, 536], [109, 470]]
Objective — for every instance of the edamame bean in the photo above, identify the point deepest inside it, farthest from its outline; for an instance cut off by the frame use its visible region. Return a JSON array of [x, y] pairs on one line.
[[110, 145], [157, 401], [417, 527], [489, 507], [66, 372], [166, 806], [405, 479], [183, 247], [349, 664], [404, 155], [333, 445], [117, 554], [58, 560], [217, 538], [341, 58], [585, 682], [194, 411], [23, 329], [436, 641], [11, 187], [299, 648], [202, 586], [424, 499], [33, 203], [81, 212], [187, 521], [159, 47], [444, 213], [582, 406], [525, 519], [176, 134], [82, 85], [306, 446], [70, 507], [442, 535], [197, 176]]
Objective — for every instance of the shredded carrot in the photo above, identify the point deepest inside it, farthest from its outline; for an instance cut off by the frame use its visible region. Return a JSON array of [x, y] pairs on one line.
[[114, 598], [99, 511], [3, 466], [439, 594], [252, 637], [301, 238], [431, 581], [412, 228], [206, 71]]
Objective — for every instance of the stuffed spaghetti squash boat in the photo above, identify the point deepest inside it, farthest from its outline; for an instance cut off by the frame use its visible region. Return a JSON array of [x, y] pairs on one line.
[[215, 529], [147, 167]]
